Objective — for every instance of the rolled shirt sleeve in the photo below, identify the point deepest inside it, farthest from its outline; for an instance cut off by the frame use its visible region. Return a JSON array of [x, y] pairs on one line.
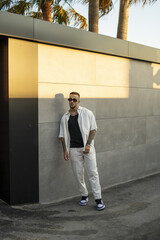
[[61, 130], [87, 123]]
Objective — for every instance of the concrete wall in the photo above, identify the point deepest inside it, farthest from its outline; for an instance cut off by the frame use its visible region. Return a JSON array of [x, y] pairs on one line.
[[23, 121], [19, 170], [124, 95], [118, 80], [4, 120]]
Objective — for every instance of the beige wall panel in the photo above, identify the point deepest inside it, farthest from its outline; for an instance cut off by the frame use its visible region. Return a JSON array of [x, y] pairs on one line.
[[23, 69], [47, 90], [153, 129], [112, 71], [156, 75], [64, 65], [144, 74], [121, 94]]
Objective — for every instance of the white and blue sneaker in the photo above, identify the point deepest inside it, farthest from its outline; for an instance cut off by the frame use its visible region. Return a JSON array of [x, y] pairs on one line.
[[83, 201], [100, 204]]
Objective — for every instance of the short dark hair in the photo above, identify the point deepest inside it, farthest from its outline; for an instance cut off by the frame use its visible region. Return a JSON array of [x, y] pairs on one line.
[[75, 93]]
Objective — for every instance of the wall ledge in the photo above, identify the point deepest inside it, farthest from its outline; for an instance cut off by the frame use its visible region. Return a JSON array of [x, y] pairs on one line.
[[13, 25]]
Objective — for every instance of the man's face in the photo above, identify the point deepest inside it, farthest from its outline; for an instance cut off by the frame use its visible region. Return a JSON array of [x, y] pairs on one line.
[[73, 101]]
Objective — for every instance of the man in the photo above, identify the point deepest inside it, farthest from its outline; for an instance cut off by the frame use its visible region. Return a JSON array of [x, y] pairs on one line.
[[77, 130]]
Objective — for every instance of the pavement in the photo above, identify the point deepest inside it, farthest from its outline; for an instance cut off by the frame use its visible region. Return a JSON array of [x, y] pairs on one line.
[[132, 213]]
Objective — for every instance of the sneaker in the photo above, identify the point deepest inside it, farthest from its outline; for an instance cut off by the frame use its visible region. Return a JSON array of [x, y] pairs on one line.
[[100, 204], [83, 201]]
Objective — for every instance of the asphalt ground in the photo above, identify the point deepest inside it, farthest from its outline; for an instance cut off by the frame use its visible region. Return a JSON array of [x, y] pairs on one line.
[[132, 213]]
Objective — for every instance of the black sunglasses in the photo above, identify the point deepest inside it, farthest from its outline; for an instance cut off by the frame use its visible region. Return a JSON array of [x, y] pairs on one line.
[[72, 99]]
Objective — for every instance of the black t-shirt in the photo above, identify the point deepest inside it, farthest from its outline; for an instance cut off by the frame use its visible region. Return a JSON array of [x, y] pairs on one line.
[[76, 140]]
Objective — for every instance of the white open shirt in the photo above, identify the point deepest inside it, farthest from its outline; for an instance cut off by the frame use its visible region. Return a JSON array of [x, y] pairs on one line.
[[86, 122]]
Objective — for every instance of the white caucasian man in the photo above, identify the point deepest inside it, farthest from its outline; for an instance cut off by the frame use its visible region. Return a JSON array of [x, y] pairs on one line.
[[77, 130]]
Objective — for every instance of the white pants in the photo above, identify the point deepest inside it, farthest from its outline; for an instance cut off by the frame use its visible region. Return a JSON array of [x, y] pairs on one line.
[[78, 159]]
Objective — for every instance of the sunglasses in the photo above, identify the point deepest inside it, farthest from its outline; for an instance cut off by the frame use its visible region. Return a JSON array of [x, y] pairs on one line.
[[72, 99]]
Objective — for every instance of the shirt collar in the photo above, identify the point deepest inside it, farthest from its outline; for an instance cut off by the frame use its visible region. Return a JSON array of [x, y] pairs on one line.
[[78, 110]]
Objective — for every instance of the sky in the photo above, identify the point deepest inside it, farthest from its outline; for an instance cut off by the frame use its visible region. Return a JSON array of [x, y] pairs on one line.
[[143, 26]]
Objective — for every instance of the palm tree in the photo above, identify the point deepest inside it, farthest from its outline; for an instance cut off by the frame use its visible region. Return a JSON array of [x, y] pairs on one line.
[[49, 10], [97, 9], [124, 15], [93, 15], [123, 19], [46, 7]]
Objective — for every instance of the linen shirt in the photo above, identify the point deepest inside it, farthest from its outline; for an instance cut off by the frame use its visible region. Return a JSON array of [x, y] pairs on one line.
[[86, 121]]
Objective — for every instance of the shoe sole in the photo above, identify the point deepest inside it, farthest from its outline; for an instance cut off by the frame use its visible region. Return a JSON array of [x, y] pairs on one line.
[[82, 204], [100, 209]]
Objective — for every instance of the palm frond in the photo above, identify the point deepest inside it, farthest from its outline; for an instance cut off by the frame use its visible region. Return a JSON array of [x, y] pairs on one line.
[[37, 15], [5, 4], [60, 15], [71, 2], [105, 6], [79, 20], [21, 7], [84, 2], [143, 2]]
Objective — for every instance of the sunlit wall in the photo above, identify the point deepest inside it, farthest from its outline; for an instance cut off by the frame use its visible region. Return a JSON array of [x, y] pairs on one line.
[[123, 93], [94, 75]]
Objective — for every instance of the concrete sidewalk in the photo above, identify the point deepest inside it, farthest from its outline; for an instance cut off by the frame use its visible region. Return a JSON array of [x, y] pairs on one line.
[[132, 213]]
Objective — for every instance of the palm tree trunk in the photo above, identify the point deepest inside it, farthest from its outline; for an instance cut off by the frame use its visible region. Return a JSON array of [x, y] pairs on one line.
[[123, 19], [93, 15], [47, 10]]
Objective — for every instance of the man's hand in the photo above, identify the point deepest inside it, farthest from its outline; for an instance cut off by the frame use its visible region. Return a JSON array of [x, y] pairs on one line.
[[66, 155], [87, 149], [91, 137]]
